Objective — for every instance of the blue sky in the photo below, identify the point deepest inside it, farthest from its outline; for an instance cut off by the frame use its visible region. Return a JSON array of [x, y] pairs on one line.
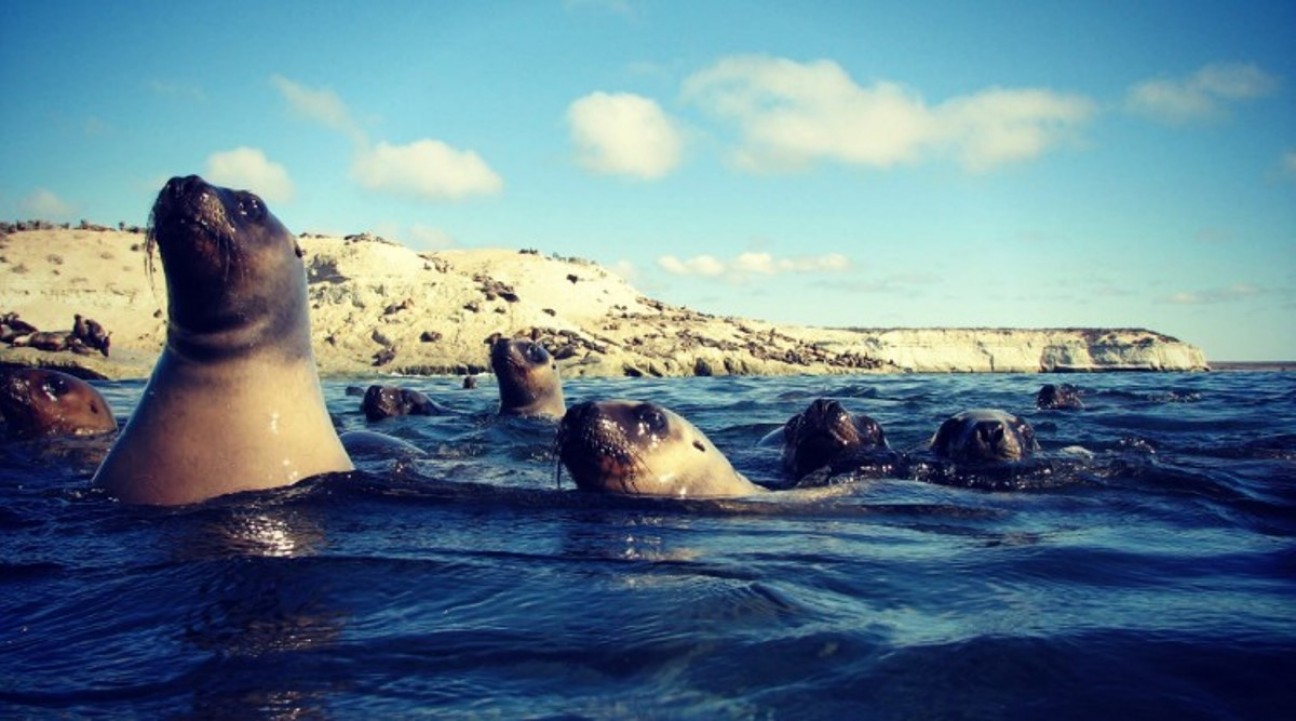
[[1026, 164]]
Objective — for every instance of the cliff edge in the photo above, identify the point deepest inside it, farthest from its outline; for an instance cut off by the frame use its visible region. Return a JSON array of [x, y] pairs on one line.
[[381, 307]]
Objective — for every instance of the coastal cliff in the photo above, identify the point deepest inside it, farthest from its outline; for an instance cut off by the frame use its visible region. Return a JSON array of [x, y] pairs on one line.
[[381, 307]]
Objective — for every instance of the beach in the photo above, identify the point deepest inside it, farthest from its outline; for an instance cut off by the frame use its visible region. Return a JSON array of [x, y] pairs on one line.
[[377, 306]]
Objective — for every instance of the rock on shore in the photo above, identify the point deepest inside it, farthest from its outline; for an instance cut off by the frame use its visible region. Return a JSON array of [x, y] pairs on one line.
[[381, 307]]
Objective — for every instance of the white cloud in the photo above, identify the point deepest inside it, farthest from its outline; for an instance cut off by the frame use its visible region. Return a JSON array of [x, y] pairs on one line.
[[746, 265], [429, 238], [1235, 292], [1200, 95], [249, 169], [425, 168], [624, 134], [792, 114], [43, 204], [704, 265], [322, 106]]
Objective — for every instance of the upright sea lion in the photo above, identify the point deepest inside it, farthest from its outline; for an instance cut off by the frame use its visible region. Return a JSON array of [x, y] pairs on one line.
[[528, 379], [39, 403], [1063, 396], [826, 435], [984, 435], [644, 449], [387, 401], [234, 402]]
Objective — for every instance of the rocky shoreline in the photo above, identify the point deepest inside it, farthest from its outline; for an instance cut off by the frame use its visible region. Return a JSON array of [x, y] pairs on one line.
[[379, 307]]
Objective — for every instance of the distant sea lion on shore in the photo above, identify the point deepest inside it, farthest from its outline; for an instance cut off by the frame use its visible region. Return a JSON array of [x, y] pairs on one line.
[[39, 403], [984, 435], [644, 449], [388, 401], [827, 436], [234, 401], [528, 379], [1062, 396]]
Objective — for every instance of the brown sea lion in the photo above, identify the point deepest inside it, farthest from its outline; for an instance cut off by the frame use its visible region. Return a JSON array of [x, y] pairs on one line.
[[528, 379], [51, 341], [1062, 396], [234, 402], [826, 435], [984, 435], [644, 449], [387, 401], [39, 403], [91, 334]]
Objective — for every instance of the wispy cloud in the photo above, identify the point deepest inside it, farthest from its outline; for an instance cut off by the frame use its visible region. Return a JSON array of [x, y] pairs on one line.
[[44, 204], [1203, 95], [1212, 296], [320, 105], [745, 266], [1288, 163], [427, 169], [249, 169], [624, 134], [793, 114], [429, 238], [191, 93]]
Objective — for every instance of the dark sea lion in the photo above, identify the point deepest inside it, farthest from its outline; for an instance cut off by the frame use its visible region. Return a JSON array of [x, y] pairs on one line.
[[387, 401], [51, 341], [826, 435], [984, 435], [1063, 396], [39, 403], [91, 334], [234, 402], [528, 379], [644, 449]]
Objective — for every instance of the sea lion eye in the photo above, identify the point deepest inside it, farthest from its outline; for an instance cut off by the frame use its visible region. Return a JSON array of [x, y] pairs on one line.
[[536, 353], [56, 387], [251, 207], [653, 420]]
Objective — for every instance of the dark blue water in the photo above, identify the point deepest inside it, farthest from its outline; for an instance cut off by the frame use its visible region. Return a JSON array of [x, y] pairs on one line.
[[1152, 577]]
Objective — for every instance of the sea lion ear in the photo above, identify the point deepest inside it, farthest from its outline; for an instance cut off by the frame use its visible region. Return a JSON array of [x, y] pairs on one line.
[[698, 445]]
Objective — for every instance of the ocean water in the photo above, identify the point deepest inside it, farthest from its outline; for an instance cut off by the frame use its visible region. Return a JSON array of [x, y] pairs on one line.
[[1152, 576]]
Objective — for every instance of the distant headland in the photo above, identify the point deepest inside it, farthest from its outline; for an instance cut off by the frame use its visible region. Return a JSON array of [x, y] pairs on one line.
[[379, 307]]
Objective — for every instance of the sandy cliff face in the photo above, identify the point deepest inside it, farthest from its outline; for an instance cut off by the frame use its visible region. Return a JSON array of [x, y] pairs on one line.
[[381, 307]]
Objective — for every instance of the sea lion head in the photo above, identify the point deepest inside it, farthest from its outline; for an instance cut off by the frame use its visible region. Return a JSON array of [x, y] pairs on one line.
[[638, 448], [40, 403], [388, 401], [984, 435], [234, 273], [1062, 396], [826, 434], [528, 378]]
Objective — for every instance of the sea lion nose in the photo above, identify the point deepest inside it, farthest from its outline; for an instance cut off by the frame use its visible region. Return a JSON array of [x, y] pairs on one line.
[[580, 413], [179, 187]]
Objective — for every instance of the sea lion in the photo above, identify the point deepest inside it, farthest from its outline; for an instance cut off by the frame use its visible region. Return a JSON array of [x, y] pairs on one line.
[[234, 401], [387, 401], [1063, 396], [826, 435], [39, 403], [91, 334], [51, 341], [643, 449], [528, 379], [984, 435]]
